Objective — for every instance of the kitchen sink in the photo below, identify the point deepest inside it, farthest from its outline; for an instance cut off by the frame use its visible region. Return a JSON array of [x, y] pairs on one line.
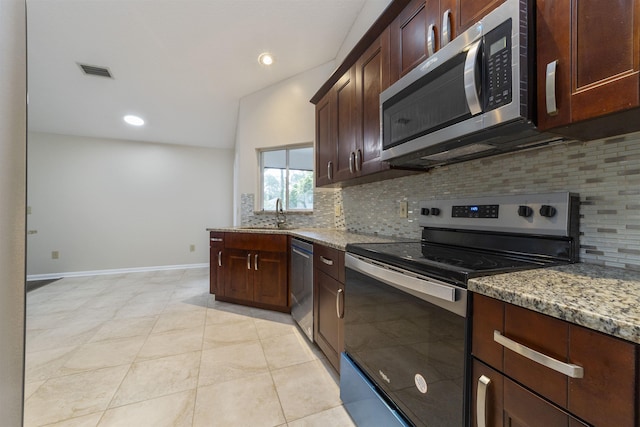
[[266, 227]]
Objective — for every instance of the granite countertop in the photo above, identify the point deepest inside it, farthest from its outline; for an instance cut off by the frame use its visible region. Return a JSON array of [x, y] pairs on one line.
[[337, 239], [605, 299]]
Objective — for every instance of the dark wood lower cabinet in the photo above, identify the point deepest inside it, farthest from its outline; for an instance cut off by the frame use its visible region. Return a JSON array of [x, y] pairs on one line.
[[533, 393], [329, 326], [328, 301], [251, 269], [216, 248]]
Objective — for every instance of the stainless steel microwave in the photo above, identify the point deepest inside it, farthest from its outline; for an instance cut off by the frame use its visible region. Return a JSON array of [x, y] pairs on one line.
[[474, 97]]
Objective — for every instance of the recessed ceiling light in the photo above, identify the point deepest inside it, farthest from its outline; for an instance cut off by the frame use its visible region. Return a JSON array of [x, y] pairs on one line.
[[265, 58], [134, 120]]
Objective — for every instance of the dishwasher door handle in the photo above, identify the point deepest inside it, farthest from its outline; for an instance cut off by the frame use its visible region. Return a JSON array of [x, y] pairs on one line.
[[302, 254]]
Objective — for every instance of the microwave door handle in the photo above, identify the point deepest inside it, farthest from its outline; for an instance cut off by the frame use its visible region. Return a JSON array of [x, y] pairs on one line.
[[470, 83]]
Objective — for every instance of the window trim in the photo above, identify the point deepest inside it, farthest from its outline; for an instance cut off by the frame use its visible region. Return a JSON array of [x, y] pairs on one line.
[[260, 193]]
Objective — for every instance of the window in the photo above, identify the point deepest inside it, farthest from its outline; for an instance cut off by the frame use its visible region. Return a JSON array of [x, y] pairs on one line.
[[287, 174]]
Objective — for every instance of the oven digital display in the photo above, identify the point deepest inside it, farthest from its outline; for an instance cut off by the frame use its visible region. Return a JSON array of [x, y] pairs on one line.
[[475, 211]]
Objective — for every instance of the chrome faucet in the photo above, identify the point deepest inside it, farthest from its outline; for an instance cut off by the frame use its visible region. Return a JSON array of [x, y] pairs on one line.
[[280, 222]]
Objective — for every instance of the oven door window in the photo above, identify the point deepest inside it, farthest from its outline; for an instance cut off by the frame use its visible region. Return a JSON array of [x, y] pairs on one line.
[[413, 350]]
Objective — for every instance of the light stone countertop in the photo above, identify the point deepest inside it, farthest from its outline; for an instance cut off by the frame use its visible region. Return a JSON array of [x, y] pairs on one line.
[[337, 239], [605, 299]]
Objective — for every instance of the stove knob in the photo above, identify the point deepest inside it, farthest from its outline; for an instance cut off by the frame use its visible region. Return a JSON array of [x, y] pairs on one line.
[[424, 211], [435, 211], [548, 211], [525, 211]]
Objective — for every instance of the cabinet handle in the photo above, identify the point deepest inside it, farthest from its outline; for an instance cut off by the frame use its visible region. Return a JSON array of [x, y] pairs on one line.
[[330, 170], [550, 88], [358, 160], [338, 311], [481, 401], [351, 161], [219, 258], [326, 260], [568, 369], [217, 239], [446, 27], [470, 84], [431, 40], [255, 262], [248, 261]]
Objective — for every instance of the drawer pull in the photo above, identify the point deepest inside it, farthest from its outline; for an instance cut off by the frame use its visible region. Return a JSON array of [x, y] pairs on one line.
[[326, 260], [481, 401], [568, 369], [217, 239]]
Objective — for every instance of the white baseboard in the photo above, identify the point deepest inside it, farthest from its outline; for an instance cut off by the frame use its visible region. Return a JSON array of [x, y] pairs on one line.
[[114, 271]]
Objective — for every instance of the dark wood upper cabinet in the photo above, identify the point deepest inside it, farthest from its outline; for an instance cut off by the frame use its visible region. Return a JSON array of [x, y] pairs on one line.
[[595, 46], [471, 11], [346, 116], [325, 141], [372, 77]]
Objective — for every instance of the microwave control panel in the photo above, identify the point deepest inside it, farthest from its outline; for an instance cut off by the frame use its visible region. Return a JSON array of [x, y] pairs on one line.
[[497, 53]]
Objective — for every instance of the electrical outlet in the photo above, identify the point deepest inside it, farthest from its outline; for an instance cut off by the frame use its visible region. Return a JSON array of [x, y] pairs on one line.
[[338, 210], [28, 210], [55, 255], [192, 248], [404, 209]]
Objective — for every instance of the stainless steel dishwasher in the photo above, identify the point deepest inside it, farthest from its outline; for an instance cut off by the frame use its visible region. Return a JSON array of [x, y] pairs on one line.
[[302, 285]]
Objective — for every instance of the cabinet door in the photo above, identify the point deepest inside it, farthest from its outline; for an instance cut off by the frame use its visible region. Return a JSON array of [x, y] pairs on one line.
[[328, 325], [346, 123], [408, 36], [238, 276], [524, 409], [471, 11], [270, 278], [216, 247], [325, 141], [597, 48], [492, 381], [371, 77]]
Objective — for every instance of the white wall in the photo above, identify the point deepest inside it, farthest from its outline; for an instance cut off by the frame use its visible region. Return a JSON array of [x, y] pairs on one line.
[[371, 10], [111, 204], [13, 89], [278, 115]]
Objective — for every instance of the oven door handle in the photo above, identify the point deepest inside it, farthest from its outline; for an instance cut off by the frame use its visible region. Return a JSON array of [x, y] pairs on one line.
[[404, 281]]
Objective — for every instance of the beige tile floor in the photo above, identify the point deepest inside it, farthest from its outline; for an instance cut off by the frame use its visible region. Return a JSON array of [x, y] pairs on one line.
[[156, 349]]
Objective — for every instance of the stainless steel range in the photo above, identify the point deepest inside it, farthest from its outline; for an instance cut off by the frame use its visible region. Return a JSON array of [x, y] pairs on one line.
[[406, 308]]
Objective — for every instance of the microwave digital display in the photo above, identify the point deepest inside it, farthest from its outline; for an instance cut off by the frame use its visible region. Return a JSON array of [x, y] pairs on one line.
[[497, 46]]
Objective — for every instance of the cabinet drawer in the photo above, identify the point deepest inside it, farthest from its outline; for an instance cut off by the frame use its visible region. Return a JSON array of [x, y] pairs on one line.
[[256, 241], [216, 238], [329, 260]]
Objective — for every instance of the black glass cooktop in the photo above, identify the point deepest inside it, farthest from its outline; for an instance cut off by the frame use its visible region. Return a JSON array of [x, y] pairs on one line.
[[454, 264]]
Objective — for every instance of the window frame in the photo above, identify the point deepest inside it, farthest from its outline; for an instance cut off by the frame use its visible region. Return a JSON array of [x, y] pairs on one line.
[[287, 148]]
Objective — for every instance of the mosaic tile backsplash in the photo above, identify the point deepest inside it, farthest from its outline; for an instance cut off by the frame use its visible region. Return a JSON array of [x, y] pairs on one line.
[[605, 173]]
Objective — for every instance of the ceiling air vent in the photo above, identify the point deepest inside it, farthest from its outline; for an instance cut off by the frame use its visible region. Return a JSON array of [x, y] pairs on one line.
[[92, 70]]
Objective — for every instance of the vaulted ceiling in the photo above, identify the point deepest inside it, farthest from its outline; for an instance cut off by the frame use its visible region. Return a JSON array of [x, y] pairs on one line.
[[182, 65]]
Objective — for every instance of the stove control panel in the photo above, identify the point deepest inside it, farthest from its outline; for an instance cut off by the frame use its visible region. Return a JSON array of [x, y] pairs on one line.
[[545, 213], [475, 211]]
